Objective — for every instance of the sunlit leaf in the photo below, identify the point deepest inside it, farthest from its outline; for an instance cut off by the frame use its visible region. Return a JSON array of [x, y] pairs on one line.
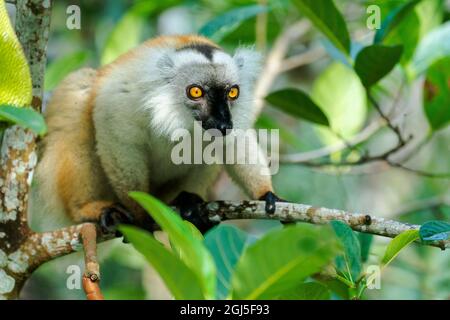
[[192, 250], [435, 46], [281, 260], [125, 36], [394, 19], [430, 14], [342, 97], [60, 68], [182, 282], [15, 80], [398, 244]]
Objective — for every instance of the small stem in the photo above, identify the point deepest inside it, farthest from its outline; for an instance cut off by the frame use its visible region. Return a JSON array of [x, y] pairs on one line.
[[91, 277]]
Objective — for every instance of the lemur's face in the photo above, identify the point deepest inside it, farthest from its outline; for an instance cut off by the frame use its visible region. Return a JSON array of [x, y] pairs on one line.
[[210, 92], [211, 86]]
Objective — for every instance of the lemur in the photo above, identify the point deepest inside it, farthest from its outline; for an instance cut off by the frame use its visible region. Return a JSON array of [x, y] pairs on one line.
[[109, 131]]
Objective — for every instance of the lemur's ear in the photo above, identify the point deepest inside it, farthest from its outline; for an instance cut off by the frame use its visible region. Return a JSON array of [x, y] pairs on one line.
[[249, 63], [166, 66]]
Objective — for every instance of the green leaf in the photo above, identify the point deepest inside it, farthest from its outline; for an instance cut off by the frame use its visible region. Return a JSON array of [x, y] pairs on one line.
[[365, 241], [394, 19], [223, 25], [125, 36], [430, 14], [342, 97], [298, 104], [406, 34], [182, 282], [191, 248], [281, 259], [15, 80], [307, 291], [436, 98], [337, 287], [374, 62], [60, 68], [327, 18], [435, 46], [226, 244], [397, 244], [349, 263], [25, 117], [435, 231]]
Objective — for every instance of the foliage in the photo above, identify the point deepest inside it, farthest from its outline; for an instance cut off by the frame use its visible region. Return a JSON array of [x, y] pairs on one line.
[[289, 257], [298, 104], [317, 105], [26, 117], [15, 81]]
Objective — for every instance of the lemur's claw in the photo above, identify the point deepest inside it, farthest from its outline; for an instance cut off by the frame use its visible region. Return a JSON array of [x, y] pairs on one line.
[[189, 206], [271, 198], [112, 216]]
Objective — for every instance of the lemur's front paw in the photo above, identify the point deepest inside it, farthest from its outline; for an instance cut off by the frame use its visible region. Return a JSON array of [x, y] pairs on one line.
[[271, 198], [189, 207], [114, 215]]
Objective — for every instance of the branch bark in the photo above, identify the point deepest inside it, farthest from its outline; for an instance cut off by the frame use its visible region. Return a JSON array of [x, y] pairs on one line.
[[50, 245], [18, 157]]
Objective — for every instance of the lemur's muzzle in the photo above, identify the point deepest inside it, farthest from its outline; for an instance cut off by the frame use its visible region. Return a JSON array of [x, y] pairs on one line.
[[224, 127]]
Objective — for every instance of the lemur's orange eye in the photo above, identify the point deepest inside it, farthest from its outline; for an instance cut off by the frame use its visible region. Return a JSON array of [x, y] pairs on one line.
[[194, 92], [233, 93]]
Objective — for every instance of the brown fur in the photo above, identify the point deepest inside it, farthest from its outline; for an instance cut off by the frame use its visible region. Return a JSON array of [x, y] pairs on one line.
[[69, 160]]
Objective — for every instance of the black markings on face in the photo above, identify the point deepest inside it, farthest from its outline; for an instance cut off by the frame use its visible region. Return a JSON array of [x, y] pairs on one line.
[[204, 49], [219, 110]]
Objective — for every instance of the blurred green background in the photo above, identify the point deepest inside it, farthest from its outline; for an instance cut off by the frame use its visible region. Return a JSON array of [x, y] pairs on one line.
[[111, 27]]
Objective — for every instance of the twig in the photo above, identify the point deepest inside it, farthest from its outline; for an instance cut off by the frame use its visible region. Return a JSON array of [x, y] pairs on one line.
[[275, 60], [434, 175], [344, 144], [302, 59], [395, 129], [91, 277], [261, 28], [328, 150], [433, 204]]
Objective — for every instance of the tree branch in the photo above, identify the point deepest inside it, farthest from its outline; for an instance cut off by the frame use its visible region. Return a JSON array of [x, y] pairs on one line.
[[91, 277], [50, 245], [18, 156]]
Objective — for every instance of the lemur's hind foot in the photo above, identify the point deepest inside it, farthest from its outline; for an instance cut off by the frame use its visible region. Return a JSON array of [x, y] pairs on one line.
[[112, 216]]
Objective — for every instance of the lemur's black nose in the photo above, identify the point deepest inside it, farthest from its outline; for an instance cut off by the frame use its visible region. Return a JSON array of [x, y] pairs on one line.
[[225, 128]]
